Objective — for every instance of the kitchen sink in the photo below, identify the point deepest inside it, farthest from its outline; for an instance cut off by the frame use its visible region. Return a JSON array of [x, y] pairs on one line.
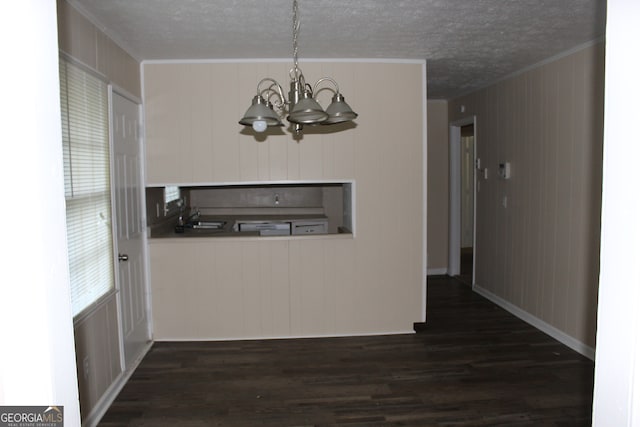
[[209, 225], [202, 226]]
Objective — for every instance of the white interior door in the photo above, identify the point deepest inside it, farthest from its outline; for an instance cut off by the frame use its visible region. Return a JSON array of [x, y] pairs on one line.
[[129, 227]]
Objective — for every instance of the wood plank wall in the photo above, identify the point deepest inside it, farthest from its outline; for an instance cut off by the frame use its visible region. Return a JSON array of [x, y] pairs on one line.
[[85, 42], [541, 252], [330, 285]]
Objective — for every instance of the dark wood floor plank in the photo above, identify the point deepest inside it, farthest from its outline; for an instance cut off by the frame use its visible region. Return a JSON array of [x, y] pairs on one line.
[[472, 365]]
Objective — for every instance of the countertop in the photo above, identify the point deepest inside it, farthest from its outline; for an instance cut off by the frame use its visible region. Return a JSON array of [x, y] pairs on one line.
[[167, 230]]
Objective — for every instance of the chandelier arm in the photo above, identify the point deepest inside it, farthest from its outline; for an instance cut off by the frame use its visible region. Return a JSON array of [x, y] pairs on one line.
[[279, 102], [273, 82], [326, 79]]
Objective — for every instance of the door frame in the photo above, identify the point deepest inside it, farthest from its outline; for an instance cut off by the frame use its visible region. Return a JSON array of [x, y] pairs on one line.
[[455, 180], [112, 88]]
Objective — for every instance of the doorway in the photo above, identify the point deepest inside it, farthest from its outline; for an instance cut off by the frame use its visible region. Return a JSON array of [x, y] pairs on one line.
[[462, 201], [467, 200]]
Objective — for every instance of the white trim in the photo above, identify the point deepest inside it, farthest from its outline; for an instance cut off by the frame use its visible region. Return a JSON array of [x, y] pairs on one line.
[[109, 396], [354, 207], [288, 337], [538, 323], [616, 394], [352, 182], [181, 239], [125, 93], [145, 236], [114, 229], [144, 219], [232, 183], [475, 199], [464, 122], [437, 271], [424, 193], [283, 60], [84, 67], [453, 265], [85, 314]]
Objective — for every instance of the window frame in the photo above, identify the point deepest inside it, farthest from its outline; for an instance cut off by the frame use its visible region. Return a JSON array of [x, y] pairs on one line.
[[107, 295]]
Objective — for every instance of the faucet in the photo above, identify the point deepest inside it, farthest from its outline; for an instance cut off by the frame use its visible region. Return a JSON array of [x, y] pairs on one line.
[[181, 222], [195, 215]]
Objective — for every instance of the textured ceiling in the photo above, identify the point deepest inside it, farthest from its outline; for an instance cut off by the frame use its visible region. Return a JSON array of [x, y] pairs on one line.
[[468, 44]]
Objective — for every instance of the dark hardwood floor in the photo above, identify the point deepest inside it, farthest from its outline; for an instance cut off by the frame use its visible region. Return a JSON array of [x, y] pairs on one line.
[[472, 365]]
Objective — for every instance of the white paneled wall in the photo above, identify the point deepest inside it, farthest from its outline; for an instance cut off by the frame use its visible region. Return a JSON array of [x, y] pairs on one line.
[[540, 253], [327, 285], [193, 136], [246, 288]]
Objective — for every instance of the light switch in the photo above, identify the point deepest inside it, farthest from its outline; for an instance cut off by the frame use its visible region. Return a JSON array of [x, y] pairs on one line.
[[504, 170]]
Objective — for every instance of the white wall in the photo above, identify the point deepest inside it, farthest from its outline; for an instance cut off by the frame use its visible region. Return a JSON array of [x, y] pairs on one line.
[[37, 362], [617, 375]]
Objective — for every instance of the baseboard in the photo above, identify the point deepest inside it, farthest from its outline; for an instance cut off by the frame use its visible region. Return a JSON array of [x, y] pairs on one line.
[[538, 323], [112, 392], [282, 337], [436, 271]]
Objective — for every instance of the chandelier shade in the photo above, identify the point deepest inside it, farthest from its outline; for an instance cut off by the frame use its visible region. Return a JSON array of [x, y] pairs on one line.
[[301, 107], [260, 115], [339, 111], [307, 111]]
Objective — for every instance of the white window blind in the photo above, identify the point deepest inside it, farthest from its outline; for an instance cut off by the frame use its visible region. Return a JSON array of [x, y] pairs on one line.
[[85, 139], [171, 193]]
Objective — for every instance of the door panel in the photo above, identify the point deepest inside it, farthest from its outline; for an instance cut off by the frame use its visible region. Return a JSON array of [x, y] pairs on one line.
[[128, 188]]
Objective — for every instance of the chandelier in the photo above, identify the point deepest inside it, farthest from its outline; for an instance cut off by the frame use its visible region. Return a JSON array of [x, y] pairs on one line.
[[300, 108]]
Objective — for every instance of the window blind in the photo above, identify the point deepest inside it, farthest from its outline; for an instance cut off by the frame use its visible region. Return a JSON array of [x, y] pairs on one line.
[[171, 193], [85, 139]]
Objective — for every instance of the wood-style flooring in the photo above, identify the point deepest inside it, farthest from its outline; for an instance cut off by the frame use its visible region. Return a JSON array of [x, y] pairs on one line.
[[473, 364]]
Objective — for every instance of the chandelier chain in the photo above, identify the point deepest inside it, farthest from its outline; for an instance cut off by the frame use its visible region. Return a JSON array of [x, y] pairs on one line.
[[296, 29]]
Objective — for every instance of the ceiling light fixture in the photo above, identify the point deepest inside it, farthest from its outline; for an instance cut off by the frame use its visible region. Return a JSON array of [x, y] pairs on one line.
[[300, 108]]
